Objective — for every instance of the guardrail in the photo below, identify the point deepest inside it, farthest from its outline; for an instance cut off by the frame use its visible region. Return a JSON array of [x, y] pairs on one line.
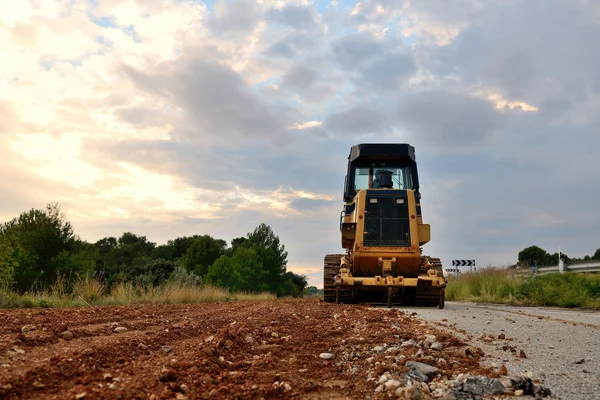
[[587, 266]]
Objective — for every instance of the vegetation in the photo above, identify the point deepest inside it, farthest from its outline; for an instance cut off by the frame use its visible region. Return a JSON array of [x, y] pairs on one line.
[[497, 285], [44, 262], [536, 256]]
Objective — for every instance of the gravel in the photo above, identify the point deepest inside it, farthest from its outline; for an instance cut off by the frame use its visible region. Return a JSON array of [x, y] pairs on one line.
[[544, 345]]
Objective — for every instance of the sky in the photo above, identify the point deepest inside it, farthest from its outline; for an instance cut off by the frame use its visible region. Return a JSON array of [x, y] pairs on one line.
[[179, 117]]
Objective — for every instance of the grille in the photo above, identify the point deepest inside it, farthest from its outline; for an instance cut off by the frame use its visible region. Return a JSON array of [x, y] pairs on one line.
[[387, 223]]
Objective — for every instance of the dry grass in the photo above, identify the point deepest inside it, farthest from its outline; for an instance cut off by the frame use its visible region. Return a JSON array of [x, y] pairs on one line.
[[498, 285], [87, 291]]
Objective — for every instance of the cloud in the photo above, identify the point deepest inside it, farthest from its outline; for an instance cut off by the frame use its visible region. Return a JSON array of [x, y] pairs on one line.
[[444, 119], [215, 100], [176, 117], [356, 121]]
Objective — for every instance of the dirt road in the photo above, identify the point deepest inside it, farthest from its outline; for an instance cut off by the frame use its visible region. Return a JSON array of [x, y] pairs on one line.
[[304, 349]]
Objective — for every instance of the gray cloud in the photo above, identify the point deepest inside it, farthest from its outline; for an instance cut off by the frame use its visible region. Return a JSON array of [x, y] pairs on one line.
[[297, 17], [547, 52], [217, 102], [445, 119], [355, 49], [234, 18], [299, 77], [388, 71], [356, 121]]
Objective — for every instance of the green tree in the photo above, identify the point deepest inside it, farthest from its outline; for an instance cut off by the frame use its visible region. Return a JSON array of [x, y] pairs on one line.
[[596, 255], [299, 281], [8, 262], [121, 255], [42, 235], [241, 272], [533, 256], [202, 253], [272, 254]]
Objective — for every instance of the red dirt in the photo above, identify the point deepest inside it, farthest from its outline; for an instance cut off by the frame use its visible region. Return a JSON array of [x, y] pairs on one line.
[[242, 350]]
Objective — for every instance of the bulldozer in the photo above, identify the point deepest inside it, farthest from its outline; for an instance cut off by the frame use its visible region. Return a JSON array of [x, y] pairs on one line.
[[382, 232]]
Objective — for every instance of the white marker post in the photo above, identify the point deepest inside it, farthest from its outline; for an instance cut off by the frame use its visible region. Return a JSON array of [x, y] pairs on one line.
[[561, 263]]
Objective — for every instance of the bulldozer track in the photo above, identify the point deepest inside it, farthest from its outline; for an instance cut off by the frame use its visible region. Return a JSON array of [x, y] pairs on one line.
[[330, 270]]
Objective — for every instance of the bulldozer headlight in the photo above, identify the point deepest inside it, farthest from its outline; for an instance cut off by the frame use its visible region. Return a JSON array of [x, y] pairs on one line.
[[373, 200], [399, 201]]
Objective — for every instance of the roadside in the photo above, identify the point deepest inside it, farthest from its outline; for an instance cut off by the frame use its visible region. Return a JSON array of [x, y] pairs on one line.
[[561, 346]]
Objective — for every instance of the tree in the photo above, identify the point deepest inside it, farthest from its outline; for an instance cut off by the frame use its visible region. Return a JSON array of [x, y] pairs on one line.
[[202, 253], [533, 256], [272, 254], [41, 236], [122, 254], [241, 272], [300, 282], [8, 262], [596, 255]]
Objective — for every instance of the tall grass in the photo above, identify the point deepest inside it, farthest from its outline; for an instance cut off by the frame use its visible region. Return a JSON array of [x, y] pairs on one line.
[[497, 285], [86, 291]]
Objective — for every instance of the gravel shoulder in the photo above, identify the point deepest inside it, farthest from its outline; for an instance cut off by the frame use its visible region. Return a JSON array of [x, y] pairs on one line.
[[561, 346]]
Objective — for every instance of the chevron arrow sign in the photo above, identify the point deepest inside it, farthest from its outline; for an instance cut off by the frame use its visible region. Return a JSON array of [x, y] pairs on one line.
[[463, 263]]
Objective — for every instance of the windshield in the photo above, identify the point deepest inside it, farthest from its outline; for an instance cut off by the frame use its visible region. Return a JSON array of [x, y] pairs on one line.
[[401, 177]]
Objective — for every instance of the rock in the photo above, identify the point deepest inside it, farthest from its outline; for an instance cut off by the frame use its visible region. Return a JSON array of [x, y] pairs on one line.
[[379, 389], [142, 346], [249, 339], [286, 386], [326, 356], [112, 386], [437, 346], [528, 374], [473, 385], [426, 369], [27, 328], [503, 370], [166, 349], [502, 336], [522, 354], [120, 329], [275, 334], [391, 384], [87, 352], [66, 335], [377, 349], [180, 396], [518, 392], [38, 385], [384, 378], [80, 395]]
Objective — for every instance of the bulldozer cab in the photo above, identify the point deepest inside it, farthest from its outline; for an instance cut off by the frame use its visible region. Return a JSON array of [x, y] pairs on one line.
[[391, 166], [385, 176]]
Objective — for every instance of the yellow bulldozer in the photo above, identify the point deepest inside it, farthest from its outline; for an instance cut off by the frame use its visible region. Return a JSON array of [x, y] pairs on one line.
[[382, 231]]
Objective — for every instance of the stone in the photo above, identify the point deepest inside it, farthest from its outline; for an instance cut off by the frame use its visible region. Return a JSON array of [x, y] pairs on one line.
[[377, 348], [166, 349], [518, 392], [275, 334], [120, 329], [80, 395], [522, 354], [426, 369], [437, 346], [326, 356], [66, 335], [87, 352], [391, 384], [27, 328]]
